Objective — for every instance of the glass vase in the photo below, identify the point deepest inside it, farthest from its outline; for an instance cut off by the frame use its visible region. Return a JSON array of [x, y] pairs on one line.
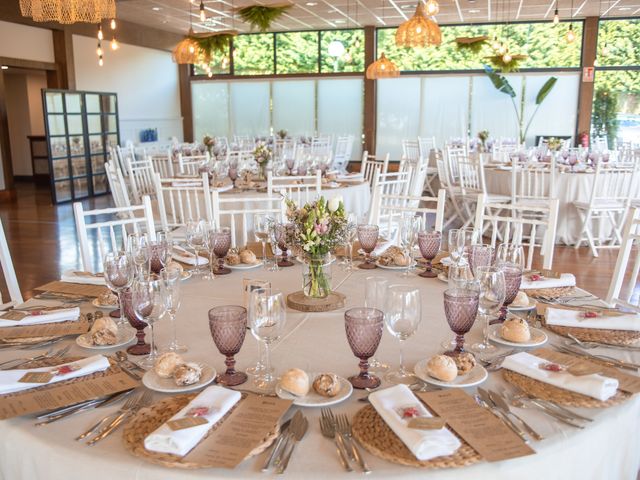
[[316, 277]]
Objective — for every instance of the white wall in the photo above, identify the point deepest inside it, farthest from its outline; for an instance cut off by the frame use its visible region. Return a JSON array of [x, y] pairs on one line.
[[26, 43], [146, 81]]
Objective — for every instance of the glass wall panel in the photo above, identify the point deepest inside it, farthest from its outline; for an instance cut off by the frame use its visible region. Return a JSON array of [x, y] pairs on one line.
[[210, 103], [445, 107], [249, 114], [341, 109], [294, 106], [253, 54], [297, 52], [348, 58], [618, 42], [398, 114], [616, 106]]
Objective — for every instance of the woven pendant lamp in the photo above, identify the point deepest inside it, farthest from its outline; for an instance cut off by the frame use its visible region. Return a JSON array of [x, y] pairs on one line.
[[382, 68], [68, 11], [187, 51], [418, 31]]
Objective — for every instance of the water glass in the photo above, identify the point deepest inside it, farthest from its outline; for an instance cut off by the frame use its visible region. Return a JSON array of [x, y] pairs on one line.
[[261, 231], [492, 292], [139, 249], [363, 327], [196, 236], [118, 275], [481, 255], [160, 252], [283, 233], [147, 298], [375, 295], [402, 315], [219, 242]]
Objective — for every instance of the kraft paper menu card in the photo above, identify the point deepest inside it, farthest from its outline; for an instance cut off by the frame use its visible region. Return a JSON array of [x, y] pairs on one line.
[[62, 394], [480, 428], [60, 329], [241, 432], [73, 288], [626, 382]]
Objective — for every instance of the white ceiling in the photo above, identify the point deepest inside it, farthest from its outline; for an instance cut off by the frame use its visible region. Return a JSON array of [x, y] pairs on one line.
[[173, 15]]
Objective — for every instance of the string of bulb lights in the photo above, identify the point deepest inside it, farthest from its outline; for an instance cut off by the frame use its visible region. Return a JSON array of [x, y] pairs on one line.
[[113, 43]]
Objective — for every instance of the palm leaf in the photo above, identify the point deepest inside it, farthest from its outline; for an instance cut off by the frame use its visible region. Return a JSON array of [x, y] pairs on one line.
[[473, 44], [500, 82], [261, 17], [545, 90]]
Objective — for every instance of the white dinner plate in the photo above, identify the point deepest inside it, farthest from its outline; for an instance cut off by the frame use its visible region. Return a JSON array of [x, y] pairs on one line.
[[153, 381], [395, 267], [96, 303], [538, 337], [244, 266], [531, 306], [185, 275], [443, 277], [475, 376], [125, 335], [313, 399]]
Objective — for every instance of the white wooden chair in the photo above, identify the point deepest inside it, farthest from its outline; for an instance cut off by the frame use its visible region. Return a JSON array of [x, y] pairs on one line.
[[8, 271], [532, 183], [411, 152], [454, 213], [300, 189], [140, 179], [163, 164], [453, 155], [630, 237], [321, 145], [369, 165], [388, 186], [608, 203], [117, 185], [189, 164], [342, 154], [110, 233], [429, 154], [236, 213], [182, 200], [510, 222], [125, 155]]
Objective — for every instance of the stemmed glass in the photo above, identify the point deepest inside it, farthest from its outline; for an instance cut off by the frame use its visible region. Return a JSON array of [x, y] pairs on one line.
[[147, 298], [233, 173], [402, 316], [261, 232], [368, 238], [139, 249], [160, 252], [170, 277], [364, 326], [492, 293], [196, 236], [350, 236], [480, 256], [429, 244], [510, 259], [273, 242], [118, 274], [455, 245], [291, 162], [140, 347], [283, 232], [375, 295], [460, 308], [408, 229], [267, 319], [219, 244], [228, 325], [572, 160]]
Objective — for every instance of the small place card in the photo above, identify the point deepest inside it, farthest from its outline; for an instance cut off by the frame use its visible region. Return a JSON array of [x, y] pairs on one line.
[[427, 423], [73, 288], [550, 274], [186, 422], [36, 377], [55, 329]]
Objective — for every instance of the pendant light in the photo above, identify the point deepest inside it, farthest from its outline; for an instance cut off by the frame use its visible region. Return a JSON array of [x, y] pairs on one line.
[[203, 13], [187, 51], [419, 30], [383, 67], [556, 15], [571, 35]]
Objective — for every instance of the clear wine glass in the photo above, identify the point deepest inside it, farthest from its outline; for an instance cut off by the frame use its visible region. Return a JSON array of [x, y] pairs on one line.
[[228, 325], [402, 315], [147, 299], [139, 249], [363, 327], [196, 237], [368, 238], [460, 309], [481, 255], [408, 233], [492, 293], [118, 275], [350, 236], [261, 232], [170, 277], [429, 244], [291, 163], [267, 319], [375, 295], [273, 242]]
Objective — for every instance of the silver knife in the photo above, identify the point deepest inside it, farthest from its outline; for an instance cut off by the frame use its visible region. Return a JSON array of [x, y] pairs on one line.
[[298, 434], [504, 407], [507, 421], [278, 444]]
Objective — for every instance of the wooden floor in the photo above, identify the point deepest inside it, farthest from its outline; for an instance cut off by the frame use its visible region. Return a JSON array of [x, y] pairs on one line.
[[43, 242]]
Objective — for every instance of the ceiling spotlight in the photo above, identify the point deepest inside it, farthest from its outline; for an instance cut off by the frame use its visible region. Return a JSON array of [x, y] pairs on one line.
[[338, 21], [624, 9], [156, 9], [474, 10], [4, 67], [311, 4], [203, 14]]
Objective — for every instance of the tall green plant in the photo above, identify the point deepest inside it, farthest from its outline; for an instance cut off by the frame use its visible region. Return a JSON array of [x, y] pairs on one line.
[[605, 114], [502, 85]]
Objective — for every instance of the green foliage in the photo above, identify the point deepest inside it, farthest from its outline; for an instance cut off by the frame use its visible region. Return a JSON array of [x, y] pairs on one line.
[[499, 82], [545, 90], [505, 67], [253, 54], [297, 52], [475, 47], [605, 114], [621, 40], [261, 17]]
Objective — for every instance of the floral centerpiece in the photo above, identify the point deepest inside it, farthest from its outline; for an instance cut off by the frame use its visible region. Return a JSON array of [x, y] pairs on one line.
[[209, 142], [262, 155], [483, 136], [554, 144], [319, 228]]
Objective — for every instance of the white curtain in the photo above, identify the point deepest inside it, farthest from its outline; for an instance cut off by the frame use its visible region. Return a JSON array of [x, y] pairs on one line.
[[250, 113], [398, 114], [341, 109], [445, 107], [294, 106], [210, 104]]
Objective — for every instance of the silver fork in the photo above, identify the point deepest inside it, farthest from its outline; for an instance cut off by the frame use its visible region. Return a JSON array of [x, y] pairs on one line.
[[344, 427], [143, 401], [19, 362], [328, 430], [130, 403]]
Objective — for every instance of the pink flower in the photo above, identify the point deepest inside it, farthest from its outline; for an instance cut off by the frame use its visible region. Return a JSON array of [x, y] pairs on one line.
[[322, 228]]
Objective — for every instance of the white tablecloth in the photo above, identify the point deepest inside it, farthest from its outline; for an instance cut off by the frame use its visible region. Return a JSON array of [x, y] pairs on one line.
[[607, 449]]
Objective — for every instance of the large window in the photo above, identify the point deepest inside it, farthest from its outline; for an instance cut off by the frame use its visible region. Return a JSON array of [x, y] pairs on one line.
[[253, 54]]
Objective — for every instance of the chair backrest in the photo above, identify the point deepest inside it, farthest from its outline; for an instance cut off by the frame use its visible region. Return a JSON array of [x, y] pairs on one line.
[[533, 182], [125, 155], [426, 145], [612, 183], [110, 233], [321, 145], [163, 164], [392, 183], [140, 179], [453, 155], [9, 272], [471, 175], [301, 189], [117, 185], [237, 213], [600, 144], [630, 236], [370, 163], [515, 222], [411, 151], [342, 155], [190, 164], [181, 200]]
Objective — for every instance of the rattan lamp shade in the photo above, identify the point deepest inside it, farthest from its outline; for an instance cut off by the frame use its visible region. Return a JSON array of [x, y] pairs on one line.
[[187, 51], [68, 11], [382, 68], [418, 31]]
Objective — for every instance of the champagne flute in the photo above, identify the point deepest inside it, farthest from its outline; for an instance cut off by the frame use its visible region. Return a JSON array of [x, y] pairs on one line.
[[196, 236], [267, 319], [375, 294], [148, 303], [139, 249], [170, 277], [273, 242], [492, 293], [261, 232], [118, 275], [410, 224], [403, 314]]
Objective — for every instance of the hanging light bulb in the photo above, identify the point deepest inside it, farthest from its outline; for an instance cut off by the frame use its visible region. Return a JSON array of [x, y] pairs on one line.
[[100, 61], [605, 50], [113, 24], [114, 44], [502, 49], [571, 35], [433, 7], [192, 49], [100, 34], [506, 58], [494, 43], [203, 13], [99, 50], [556, 17]]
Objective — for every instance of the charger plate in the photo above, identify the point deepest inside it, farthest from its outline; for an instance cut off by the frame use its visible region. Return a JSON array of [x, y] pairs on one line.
[[149, 419], [378, 439], [612, 337]]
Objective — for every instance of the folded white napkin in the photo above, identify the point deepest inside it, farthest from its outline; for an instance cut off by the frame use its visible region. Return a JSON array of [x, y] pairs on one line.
[[9, 378], [574, 318], [424, 444], [74, 276], [595, 386], [218, 400], [35, 317], [381, 247], [187, 257], [565, 280]]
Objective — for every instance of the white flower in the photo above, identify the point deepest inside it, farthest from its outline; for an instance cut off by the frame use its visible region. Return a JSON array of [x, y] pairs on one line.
[[334, 203]]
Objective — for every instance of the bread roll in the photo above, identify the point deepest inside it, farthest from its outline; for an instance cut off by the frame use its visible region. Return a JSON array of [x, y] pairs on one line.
[[167, 364], [327, 384], [521, 300], [465, 361], [187, 374], [442, 367], [104, 331], [401, 260], [515, 330], [247, 256], [233, 258], [295, 381]]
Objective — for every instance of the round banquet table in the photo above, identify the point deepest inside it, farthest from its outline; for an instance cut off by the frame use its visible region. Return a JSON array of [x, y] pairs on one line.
[[570, 187], [607, 448]]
